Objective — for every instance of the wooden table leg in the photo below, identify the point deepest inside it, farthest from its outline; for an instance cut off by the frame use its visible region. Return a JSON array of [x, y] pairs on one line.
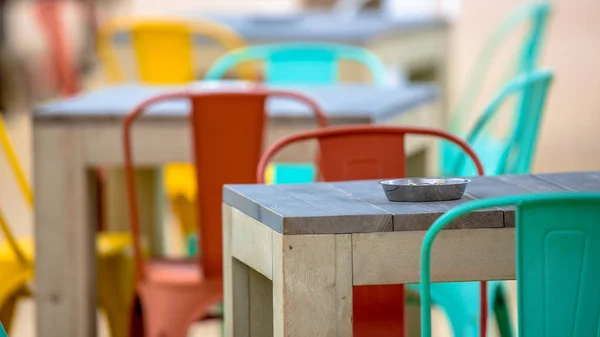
[[64, 231], [248, 294], [312, 285], [149, 191]]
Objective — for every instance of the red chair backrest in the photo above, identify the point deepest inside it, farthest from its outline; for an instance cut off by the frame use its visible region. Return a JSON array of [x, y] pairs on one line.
[[362, 152], [227, 140], [369, 152]]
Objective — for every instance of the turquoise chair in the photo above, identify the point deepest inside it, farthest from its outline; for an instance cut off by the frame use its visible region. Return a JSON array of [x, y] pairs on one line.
[[556, 256], [515, 155], [2, 331], [312, 63], [535, 14], [460, 300]]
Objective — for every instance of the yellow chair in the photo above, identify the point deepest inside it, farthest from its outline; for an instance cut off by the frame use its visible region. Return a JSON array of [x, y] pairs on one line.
[[115, 277], [164, 52]]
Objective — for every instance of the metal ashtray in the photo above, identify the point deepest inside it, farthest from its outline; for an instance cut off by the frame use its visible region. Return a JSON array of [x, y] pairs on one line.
[[424, 189]]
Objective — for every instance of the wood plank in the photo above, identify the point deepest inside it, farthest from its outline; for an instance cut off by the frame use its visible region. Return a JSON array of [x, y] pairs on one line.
[[261, 305], [457, 255], [526, 184], [343, 287], [65, 235], [574, 181], [117, 206], [419, 215], [312, 284], [329, 202], [307, 209], [278, 286], [236, 285], [248, 294], [251, 243]]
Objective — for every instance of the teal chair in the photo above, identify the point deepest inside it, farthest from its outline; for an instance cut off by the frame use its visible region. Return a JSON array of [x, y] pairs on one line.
[[311, 63], [314, 63], [2, 331], [460, 300], [557, 265], [515, 154], [535, 15]]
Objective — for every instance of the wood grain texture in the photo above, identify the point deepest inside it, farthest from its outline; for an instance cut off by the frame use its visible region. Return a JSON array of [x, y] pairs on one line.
[[236, 286], [325, 200], [64, 230], [574, 181], [361, 206], [420, 215], [251, 243], [458, 255], [261, 305], [248, 294], [312, 284]]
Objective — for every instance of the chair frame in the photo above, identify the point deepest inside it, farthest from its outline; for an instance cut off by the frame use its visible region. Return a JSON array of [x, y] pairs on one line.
[[348, 131], [220, 33], [128, 152], [264, 51], [466, 208]]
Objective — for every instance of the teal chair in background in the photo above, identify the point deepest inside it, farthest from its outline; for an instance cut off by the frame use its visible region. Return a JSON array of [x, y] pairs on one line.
[[310, 63], [515, 154], [2, 331], [313, 63], [460, 300], [556, 257], [535, 15]]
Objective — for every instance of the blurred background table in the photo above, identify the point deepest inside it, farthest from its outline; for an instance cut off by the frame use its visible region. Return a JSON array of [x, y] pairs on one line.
[[75, 135]]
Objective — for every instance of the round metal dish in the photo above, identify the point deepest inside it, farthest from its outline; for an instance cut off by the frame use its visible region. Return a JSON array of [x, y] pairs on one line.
[[424, 189]]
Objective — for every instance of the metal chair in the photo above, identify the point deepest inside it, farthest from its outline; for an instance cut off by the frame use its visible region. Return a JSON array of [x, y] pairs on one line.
[[370, 152], [557, 268], [227, 140]]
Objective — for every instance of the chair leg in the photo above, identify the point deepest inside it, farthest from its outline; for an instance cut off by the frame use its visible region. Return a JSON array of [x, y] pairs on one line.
[[502, 314], [378, 311], [115, 292], [7, 311], [118, 319], [185, 212], [169, 311]]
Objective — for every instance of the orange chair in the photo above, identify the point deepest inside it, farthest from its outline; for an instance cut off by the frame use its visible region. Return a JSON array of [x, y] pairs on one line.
[[370, 152], [227, 138]]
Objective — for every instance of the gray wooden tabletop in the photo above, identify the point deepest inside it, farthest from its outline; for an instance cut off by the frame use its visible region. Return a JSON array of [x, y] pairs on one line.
[[323, 26], [365, 103], [313, 26], [361, 206]]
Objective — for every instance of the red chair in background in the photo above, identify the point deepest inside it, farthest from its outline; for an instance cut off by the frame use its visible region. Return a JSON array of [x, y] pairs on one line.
[[227, 141], [371, 152]]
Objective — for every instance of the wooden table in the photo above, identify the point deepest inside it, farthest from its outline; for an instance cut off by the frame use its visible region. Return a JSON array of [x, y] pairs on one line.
[[293, 252], [414, 46], [73, 136]]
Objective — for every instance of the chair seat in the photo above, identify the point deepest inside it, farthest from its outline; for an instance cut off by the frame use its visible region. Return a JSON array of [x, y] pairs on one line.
[[174, 272], [107, 244]]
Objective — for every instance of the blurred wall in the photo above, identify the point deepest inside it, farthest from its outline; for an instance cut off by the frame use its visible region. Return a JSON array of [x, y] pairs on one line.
[[569, 137]]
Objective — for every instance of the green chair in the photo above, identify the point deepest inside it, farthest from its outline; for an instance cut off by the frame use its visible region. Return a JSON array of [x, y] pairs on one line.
[[557, 237], [516, 153], [459, 300], [301, 62], [535, 14]]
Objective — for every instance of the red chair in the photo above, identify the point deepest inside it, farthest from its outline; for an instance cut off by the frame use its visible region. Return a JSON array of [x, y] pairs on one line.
[[227, 140], [371, 152]]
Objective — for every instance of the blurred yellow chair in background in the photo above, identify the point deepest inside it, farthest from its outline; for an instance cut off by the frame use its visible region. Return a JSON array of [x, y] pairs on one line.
[[164, 53], [115, 264]]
